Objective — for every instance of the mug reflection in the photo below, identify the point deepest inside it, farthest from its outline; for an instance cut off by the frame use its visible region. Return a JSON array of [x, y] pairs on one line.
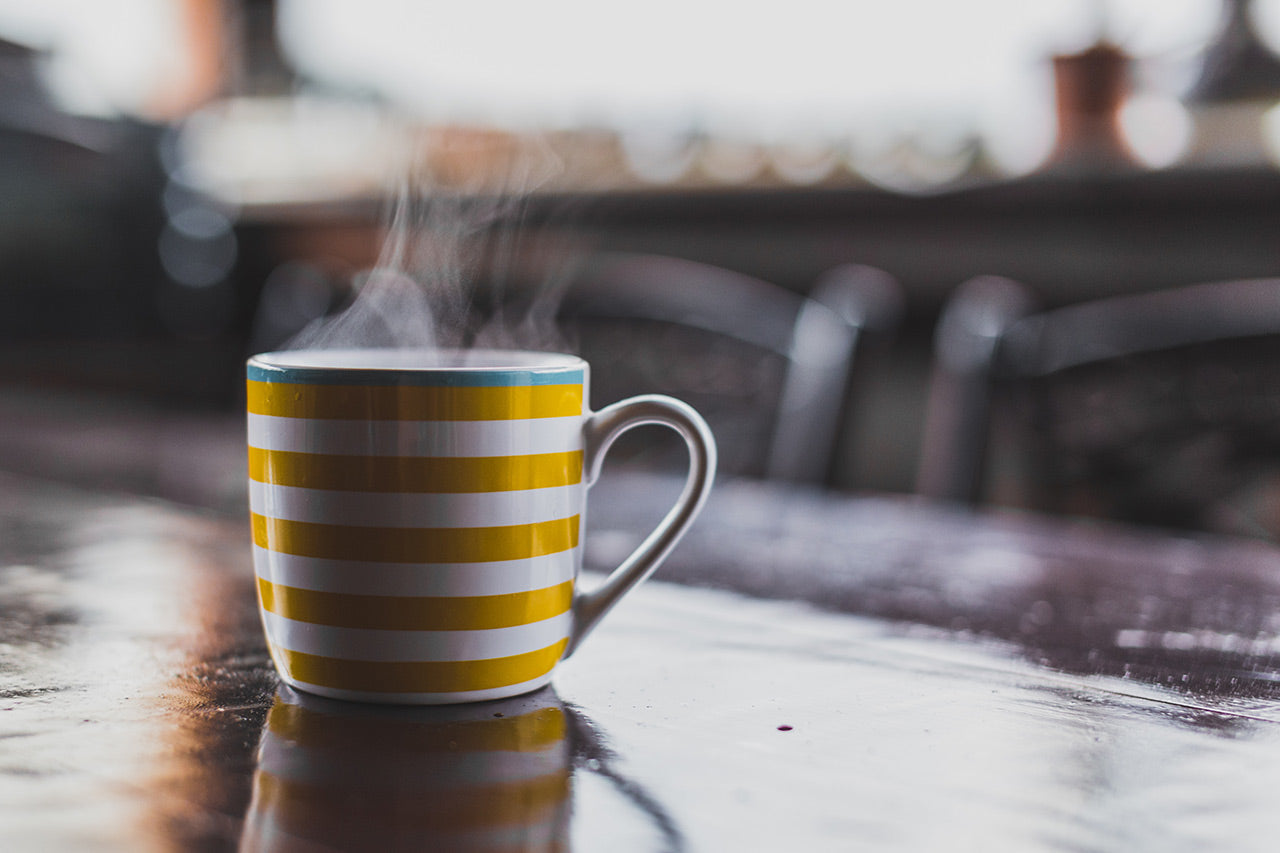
[[490, 776]]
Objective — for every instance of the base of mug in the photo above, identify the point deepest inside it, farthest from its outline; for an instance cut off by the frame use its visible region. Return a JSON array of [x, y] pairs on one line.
[[455, 698]]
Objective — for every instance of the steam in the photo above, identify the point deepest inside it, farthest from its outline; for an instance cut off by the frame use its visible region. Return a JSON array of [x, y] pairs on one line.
[[455, 217]]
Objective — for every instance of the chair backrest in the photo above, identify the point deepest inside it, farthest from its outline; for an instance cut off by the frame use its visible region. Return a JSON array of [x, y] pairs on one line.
[[767, 366], [1159, 407]]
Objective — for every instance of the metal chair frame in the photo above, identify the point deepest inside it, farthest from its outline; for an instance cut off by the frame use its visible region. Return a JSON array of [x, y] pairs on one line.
[[817, 335], [989, 332]]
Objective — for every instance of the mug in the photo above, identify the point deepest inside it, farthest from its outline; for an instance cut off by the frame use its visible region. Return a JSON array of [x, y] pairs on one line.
[[494, 776], [417, 516]]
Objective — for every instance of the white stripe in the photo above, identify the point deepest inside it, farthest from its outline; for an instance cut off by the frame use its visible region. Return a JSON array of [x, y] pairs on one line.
[[422, 698], [407, 509], [405, 769], [416, 438], [374, 645], [443, 579]]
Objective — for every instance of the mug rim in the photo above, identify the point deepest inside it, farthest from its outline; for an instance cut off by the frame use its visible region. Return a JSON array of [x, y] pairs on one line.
[[416, 360]]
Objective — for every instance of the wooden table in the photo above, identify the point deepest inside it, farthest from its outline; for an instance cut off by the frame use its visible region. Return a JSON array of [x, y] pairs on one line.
[[808, 672]]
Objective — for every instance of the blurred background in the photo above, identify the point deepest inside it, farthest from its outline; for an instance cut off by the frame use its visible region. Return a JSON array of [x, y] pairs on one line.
[[189, 181]]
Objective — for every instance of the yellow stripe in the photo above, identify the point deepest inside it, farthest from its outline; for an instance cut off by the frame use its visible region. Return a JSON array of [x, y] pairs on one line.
[[415, 613], [415, 544], [531, 732], [436, 474], [414, 403], [352, 816], [420, 676]]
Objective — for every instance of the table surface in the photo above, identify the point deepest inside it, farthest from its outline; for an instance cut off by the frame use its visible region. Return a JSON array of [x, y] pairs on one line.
[[808, 672]]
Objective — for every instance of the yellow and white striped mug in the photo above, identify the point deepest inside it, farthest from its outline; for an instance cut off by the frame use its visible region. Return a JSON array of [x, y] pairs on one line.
[[417, 516]]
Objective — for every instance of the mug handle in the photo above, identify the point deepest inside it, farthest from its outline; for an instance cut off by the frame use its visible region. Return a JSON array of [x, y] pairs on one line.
[[600, 430]]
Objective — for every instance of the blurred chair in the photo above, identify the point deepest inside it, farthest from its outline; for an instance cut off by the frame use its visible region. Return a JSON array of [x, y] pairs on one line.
[[80, 214], [1159, 408], [769, 368]]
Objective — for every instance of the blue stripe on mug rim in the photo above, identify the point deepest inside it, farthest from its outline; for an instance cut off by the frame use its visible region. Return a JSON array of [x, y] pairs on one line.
[[482, 368]]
